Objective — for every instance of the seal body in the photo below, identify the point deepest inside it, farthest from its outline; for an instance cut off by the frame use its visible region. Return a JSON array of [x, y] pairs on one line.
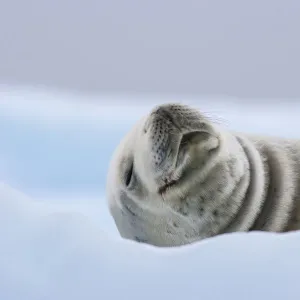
[[177, 178]]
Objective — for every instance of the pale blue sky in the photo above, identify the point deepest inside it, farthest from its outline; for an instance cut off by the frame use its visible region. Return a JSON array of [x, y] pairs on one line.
[[237, 48]]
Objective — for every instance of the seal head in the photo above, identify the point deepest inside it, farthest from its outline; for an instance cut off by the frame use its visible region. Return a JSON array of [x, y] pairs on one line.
[[172, 176]]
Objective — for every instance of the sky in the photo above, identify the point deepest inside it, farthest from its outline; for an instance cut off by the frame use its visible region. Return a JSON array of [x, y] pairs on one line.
[[245, 49]]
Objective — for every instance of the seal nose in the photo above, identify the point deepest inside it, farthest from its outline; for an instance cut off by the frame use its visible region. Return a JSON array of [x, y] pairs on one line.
[[163, 137], [159, 139], [163, 112]]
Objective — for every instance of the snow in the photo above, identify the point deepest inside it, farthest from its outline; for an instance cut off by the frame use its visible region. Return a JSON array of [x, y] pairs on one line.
[[57, 239]]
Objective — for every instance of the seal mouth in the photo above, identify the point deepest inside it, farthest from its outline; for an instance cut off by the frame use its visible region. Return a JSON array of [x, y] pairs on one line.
[[166, 186]]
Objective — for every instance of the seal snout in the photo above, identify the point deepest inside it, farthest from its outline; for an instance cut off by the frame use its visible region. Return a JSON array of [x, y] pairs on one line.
[[163, 138], [164, 129], [164, 113]]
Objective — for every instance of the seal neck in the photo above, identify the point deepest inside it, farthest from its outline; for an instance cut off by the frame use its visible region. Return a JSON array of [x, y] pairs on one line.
[[253, 199]]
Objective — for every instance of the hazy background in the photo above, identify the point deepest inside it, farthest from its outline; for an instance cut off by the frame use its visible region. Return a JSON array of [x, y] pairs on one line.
[[191, 47]]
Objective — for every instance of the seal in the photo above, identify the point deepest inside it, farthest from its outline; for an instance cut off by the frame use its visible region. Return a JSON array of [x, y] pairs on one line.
[[177, 178]]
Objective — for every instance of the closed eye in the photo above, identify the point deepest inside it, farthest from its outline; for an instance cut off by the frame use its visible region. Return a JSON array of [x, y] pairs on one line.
[[129, 175]]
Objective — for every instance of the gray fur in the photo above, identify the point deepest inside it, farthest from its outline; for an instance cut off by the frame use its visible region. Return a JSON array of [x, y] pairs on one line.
[[223, 181]]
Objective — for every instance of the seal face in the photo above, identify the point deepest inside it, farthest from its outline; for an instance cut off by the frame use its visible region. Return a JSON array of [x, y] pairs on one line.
[[177, 178]]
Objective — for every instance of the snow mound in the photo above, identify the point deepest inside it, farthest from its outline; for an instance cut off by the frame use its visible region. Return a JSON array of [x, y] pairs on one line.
[[49, 253]]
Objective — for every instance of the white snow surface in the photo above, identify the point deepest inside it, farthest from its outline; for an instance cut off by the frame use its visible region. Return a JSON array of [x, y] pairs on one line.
[[57, 239]]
